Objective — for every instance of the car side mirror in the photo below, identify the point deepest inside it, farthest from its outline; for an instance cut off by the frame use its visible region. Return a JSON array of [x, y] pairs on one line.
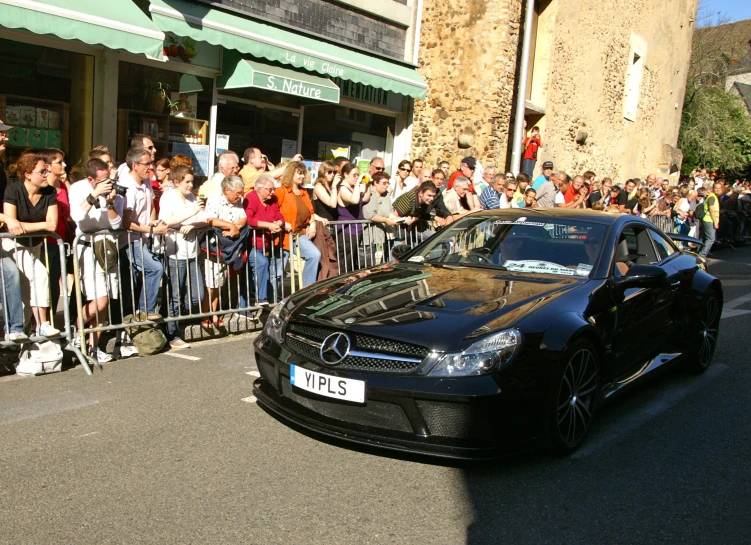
[[643, 276], [399, 250]]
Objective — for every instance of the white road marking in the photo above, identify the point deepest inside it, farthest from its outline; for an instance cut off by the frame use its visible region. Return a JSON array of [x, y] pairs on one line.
[[731, 312], [86, 434], [253, 373], [251, 399], [729, 308], [183, 356], [621, 427]]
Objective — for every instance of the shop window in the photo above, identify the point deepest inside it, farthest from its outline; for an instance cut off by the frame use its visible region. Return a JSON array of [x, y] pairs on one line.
[[357, 133], [172, 108], [48, 95], [272, 130]]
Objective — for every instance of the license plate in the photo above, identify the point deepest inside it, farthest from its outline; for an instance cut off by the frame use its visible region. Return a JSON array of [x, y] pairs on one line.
[[346, 389]]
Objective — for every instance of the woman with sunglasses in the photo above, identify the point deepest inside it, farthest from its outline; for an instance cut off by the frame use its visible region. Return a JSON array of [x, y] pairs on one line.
[[30, 207], [402, 182], [351, 197], [325, 191]]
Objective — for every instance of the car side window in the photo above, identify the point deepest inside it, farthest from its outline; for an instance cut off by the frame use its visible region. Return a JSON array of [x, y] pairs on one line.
[[633, 247], [664, 247]]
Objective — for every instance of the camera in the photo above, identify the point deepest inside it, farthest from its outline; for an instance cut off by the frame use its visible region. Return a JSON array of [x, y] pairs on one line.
[[120, 190]]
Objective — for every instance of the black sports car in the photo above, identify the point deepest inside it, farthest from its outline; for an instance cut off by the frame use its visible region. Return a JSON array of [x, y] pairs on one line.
[[503, 331]]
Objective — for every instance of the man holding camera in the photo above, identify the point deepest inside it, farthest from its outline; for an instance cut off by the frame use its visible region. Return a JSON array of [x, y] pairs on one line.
[[95, 206], [139, 217]]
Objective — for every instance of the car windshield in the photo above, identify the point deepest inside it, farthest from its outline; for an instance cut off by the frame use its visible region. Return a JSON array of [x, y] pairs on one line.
[[524, 244]]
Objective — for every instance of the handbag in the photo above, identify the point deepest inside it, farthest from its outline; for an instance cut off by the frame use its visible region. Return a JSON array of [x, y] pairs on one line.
[[106, 253]]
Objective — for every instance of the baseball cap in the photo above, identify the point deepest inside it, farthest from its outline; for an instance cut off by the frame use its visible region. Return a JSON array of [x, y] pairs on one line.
[[4, 127], [547, 164], [470, 161]]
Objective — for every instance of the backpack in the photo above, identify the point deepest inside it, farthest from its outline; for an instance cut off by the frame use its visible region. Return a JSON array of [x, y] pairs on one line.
[[40, 359], [147, 339], [700, 211]]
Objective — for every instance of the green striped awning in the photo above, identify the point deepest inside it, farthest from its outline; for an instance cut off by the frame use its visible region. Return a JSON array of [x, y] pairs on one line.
[[117, 24], [238, 72], [264, 41]]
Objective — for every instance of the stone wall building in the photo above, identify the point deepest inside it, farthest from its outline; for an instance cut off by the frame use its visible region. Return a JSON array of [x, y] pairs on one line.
[[606, 84]]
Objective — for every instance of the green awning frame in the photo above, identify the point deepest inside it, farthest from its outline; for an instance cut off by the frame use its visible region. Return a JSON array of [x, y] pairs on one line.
[[117, 24], [239, 73], [263, 41]]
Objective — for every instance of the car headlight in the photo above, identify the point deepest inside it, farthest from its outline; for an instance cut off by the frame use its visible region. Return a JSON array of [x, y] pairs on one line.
[[483, 357], [276, 323]]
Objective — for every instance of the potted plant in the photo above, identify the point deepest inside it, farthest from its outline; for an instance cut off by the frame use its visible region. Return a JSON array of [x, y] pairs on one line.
[[157, 98]]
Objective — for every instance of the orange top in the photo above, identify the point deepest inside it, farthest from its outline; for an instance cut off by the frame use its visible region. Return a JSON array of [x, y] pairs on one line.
[[288, 205]]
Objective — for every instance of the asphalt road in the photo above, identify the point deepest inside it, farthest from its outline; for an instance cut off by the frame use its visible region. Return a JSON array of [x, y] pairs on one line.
[[171, 450]]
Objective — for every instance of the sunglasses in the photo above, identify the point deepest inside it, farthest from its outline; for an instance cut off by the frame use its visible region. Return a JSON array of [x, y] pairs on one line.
[[379, 169], [331, 172], [404, 169]]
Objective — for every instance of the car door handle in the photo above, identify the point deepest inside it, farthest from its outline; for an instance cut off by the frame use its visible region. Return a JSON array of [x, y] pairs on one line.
[[675, 285]]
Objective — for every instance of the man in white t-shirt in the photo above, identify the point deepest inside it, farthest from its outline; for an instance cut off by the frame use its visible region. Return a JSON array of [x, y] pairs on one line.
[[139, 217]]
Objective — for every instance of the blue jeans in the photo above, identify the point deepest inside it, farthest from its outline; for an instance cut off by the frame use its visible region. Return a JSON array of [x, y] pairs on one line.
[[147, 283], [707, 237], [255, 277], [528, 167], [10, 291], [186, 285], [311, 256], [259, 264]]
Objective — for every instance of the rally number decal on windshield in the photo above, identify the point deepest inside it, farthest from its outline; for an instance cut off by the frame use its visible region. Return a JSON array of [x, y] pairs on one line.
[[532, 266]]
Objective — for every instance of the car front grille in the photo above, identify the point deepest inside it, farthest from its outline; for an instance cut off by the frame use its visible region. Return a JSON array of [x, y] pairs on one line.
[[455, 420], [374, 414], [371, 353]]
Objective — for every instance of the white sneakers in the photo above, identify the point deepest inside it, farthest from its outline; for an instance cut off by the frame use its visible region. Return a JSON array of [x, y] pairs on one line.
[[101, 356], [48, 330], [179, 344], [17, 336]]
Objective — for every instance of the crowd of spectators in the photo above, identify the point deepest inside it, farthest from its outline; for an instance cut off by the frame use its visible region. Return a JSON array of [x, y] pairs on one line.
[[179, 244]]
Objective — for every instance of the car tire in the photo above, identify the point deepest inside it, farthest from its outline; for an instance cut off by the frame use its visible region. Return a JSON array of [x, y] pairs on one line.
[[573, 398], [704, 338]]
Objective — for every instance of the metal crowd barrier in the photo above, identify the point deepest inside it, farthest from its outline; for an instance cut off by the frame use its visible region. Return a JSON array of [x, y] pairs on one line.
[[14, 277], [126, 285], [358, 246]]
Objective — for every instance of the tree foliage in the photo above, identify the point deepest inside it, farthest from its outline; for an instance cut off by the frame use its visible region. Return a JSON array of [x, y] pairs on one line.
[[715, 126], [716, 132]]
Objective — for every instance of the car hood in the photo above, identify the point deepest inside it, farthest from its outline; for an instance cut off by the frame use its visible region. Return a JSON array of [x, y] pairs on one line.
[[443, 307]]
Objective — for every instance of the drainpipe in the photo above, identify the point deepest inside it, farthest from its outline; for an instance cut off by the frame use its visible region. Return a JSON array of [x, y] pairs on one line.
[[521, 95], [418, 30]]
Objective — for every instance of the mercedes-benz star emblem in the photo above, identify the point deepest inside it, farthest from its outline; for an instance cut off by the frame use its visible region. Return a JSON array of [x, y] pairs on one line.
[[334, 348]]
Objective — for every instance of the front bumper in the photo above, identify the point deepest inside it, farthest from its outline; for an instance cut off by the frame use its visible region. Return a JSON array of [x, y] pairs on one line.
[[465, 418]]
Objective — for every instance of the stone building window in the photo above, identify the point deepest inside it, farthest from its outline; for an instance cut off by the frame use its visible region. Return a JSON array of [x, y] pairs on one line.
[[634, 75]]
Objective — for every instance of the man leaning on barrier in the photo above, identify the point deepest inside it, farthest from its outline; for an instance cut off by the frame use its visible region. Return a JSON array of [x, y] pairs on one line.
[[139, 217], [267, 222], [95, 206]]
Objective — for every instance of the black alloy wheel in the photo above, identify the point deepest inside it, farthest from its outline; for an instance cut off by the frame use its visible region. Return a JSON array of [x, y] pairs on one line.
[[705, 336], [574, 397]]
